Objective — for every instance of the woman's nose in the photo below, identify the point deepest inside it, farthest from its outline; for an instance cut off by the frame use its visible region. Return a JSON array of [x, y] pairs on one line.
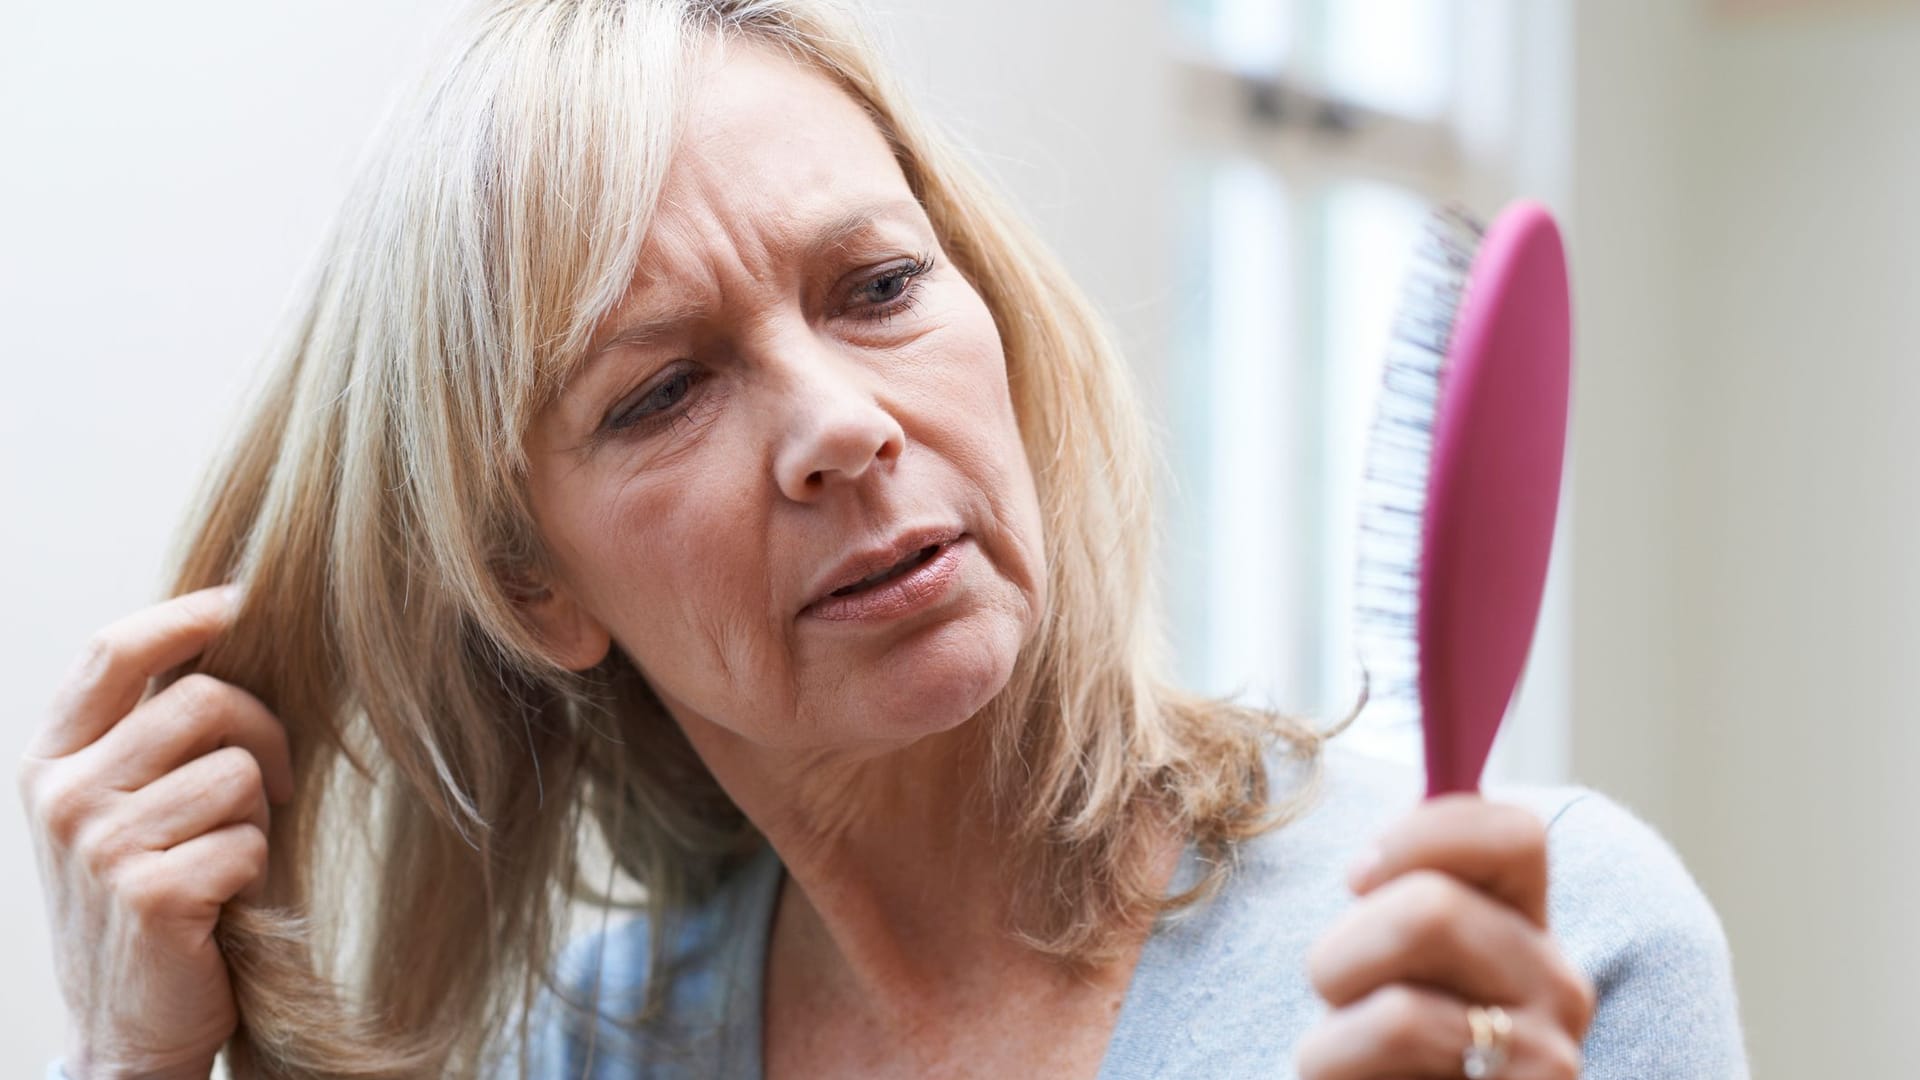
[[837, 431]]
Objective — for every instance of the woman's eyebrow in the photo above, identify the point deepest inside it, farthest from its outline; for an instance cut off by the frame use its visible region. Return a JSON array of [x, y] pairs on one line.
[[843, 229], [836, 234]]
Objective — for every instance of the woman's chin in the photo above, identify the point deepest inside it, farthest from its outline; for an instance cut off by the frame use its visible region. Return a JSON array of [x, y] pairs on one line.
[[930, 685]]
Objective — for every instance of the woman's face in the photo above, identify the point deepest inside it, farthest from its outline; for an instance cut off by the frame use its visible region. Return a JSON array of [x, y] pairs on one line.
[[819, 384]]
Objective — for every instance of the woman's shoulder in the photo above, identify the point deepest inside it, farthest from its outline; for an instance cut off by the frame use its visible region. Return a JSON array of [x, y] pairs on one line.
[[1613, 878], [1347, 797], [1621, 903], [1631, 916]]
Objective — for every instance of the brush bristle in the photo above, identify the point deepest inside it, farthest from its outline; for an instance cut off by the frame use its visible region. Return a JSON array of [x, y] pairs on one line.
[[1399, 457]]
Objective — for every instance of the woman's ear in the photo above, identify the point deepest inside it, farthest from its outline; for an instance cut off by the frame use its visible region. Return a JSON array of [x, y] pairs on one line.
[[573, 636]]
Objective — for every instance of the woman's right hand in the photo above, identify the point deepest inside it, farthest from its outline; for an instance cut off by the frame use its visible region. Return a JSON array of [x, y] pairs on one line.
[[147, 816]]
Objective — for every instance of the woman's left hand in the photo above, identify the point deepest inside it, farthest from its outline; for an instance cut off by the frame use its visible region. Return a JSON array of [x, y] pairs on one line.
[[1452, 914]]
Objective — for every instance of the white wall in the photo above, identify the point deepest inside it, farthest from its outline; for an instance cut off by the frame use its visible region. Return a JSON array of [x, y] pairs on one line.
[[169, 169], [1747, 252]]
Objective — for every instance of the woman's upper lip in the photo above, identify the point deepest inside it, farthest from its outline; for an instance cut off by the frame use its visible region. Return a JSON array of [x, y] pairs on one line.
[[871, 561]]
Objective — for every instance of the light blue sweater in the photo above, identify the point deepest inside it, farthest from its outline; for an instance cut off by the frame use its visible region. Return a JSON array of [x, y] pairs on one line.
[[1221, 991]]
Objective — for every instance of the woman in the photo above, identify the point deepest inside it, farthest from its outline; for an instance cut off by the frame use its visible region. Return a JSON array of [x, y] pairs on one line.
[[681, 441]]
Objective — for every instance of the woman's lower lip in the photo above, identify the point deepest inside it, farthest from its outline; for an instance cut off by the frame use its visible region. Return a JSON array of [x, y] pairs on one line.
[[904, 595]]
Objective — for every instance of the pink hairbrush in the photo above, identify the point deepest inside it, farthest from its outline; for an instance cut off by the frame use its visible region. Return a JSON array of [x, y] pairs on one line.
[[1463, 481]]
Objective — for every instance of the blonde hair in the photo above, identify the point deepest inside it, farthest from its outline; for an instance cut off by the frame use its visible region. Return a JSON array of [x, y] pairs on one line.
[[375, 504]]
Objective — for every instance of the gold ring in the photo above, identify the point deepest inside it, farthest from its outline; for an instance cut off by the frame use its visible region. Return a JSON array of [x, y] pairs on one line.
[[1492, 1032]]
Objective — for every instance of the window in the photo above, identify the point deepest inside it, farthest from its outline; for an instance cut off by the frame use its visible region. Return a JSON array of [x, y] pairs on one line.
[[1316, 135]]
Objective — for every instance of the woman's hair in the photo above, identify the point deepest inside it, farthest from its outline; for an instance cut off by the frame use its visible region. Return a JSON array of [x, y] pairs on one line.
[[449, 772]]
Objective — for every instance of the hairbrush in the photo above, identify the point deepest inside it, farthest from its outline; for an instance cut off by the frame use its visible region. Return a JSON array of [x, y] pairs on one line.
[[1462, 481]]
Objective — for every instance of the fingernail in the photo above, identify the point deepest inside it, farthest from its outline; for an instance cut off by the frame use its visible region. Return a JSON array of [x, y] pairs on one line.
[[1361, 870]]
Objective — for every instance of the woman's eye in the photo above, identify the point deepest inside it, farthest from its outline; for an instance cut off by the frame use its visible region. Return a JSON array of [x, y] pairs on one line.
[[887, 288], [877, 301], [891, 293], [669, 393]]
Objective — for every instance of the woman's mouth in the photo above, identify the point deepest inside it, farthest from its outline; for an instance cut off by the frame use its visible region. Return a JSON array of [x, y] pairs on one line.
[[907, 586], [891, 572]]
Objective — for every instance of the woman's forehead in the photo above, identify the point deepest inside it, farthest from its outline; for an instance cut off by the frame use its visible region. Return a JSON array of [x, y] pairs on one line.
[[777, 165], [774, 140]]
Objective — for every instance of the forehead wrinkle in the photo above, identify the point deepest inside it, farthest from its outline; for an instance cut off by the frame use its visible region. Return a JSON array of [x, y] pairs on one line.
[[836, 236]]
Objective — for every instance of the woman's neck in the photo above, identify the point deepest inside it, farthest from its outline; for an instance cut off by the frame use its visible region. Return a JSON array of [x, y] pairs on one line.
[[897, 896]]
